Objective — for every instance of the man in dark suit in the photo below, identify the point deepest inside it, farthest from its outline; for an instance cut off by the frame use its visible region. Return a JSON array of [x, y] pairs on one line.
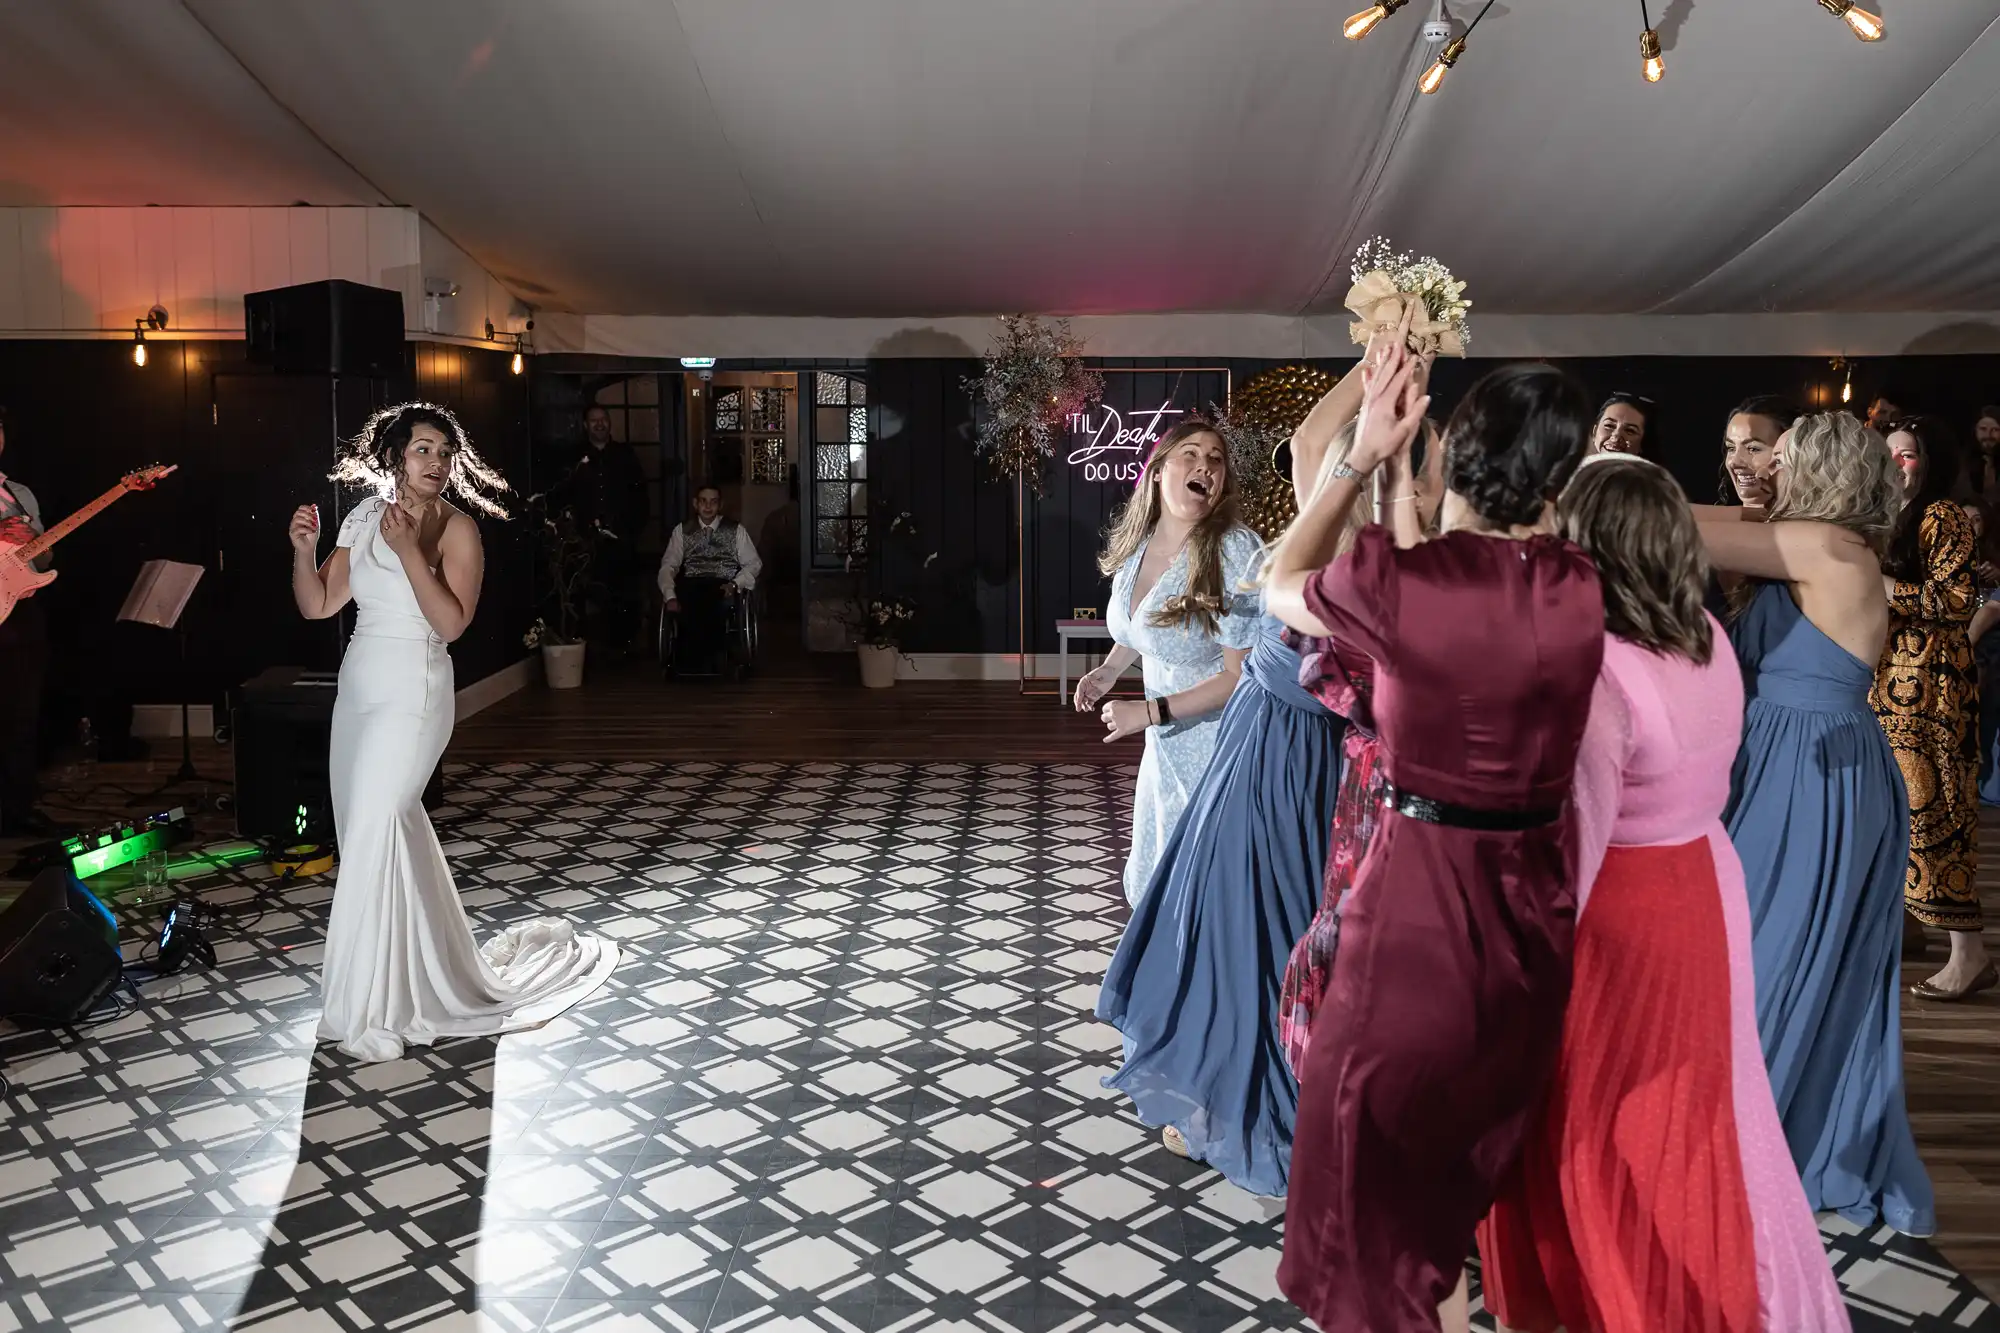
[[607, 490]]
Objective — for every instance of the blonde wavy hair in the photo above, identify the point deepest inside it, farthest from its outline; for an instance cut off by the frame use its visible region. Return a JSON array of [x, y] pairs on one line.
[[1836, 471], [1840, 472], [1201, 606]]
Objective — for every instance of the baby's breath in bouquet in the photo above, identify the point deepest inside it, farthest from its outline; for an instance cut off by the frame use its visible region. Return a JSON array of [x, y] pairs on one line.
[[1387, 281]]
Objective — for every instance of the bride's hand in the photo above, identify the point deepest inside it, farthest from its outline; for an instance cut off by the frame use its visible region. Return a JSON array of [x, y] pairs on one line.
[[305, 529], [399, 530]]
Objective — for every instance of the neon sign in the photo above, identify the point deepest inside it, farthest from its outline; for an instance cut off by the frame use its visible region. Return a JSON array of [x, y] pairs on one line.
[[1110, 435]]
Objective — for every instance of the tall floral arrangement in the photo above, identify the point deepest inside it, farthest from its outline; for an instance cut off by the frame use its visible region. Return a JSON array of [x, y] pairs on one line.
[[1034, 380]]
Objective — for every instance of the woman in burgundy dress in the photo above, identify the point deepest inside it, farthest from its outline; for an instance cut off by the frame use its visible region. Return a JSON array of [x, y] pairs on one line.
[[1445, 1014]]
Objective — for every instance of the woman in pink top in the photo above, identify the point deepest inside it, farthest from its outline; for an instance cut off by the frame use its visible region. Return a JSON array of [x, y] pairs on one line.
[[1657, 1191]]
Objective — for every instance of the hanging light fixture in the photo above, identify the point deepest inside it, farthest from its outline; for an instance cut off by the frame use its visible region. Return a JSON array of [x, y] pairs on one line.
[[1360, 25], [1867, 26], [1433, 78], [1651, 64]]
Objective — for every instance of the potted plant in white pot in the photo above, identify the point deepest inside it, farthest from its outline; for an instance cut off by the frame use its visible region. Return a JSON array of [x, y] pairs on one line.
[[880, 620], [565, 551], [878, 631]]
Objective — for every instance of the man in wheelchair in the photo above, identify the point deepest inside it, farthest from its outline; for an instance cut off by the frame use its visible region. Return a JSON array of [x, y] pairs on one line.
[[709, 566]]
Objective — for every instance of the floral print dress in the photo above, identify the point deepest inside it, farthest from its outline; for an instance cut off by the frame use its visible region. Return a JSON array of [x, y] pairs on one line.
[[1342, 685], [1178, 658]]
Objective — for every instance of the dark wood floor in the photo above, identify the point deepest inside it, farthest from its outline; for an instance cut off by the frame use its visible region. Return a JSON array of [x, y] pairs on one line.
[[628, 712]]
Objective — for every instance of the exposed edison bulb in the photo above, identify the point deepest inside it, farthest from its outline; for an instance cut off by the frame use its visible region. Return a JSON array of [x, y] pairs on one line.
[[1866, 26], [1360, 25], [1649, 52], [516, 366], [1434, 76], [139, 353], [1847, 389]]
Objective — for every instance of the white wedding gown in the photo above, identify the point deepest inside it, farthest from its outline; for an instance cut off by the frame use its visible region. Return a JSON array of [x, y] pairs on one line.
[[401, 965]]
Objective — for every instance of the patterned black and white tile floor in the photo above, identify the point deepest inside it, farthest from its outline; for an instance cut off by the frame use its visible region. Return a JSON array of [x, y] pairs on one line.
[[845, 1080]]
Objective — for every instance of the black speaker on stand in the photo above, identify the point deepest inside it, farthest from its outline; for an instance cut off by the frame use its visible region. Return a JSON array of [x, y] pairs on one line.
[[58, 951], [283, 729]]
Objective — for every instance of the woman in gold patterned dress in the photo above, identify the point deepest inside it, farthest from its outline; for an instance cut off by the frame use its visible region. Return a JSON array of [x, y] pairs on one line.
[[1926, 693]]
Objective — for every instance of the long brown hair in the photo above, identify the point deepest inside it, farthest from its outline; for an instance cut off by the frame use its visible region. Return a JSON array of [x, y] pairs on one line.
[[1201, 606], [1632, 519]]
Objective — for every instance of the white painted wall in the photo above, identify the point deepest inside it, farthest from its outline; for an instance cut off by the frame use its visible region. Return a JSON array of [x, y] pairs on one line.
[[84, 272]]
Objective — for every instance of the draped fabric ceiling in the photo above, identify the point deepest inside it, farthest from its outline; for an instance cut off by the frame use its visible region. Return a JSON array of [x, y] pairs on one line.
[[896, 159]]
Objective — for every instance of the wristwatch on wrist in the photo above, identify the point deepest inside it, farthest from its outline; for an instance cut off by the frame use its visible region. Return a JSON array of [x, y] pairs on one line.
[[1342, 472]]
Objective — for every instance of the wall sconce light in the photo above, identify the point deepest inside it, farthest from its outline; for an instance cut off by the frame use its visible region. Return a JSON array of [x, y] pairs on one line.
[[521, 344], [156, 319]]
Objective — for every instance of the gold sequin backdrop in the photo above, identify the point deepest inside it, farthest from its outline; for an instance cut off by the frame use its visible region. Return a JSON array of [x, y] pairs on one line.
[[1278, 400]]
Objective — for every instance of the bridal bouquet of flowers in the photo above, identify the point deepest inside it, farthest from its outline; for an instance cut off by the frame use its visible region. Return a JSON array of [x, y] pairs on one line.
[[1387, 282]]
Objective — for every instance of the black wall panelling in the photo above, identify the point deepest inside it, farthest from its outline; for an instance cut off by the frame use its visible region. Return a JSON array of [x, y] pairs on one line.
[[923, 462], [252, 446]]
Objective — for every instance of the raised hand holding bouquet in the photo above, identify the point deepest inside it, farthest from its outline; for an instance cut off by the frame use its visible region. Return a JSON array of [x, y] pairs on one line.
[[1389, 284]]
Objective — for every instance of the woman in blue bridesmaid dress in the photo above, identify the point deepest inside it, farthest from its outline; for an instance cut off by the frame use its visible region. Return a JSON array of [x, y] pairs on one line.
[[1194, 985], [1819, 815]]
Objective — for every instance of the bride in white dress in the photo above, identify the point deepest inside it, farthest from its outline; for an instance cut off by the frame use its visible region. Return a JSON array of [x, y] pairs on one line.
[[401, 965]]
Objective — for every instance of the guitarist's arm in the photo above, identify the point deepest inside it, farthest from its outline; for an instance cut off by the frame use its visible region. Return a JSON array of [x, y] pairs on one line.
[[321, 591], [24, 529]]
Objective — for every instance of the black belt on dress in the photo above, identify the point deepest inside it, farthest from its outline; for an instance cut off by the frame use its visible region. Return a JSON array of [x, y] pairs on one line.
[[1412, 806]]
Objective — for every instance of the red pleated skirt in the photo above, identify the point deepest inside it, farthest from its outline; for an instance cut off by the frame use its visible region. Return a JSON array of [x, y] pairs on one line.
[[1629, 1213]]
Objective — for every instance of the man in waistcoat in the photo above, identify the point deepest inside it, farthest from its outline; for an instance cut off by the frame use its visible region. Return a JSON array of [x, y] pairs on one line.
[[710, 563]]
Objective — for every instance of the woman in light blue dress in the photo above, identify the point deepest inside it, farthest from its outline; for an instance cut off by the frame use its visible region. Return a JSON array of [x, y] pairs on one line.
[[1194, 985], [1819, 815], [1178, 559]]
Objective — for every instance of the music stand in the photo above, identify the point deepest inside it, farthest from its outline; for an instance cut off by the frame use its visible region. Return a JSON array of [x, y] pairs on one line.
[[159, 595]]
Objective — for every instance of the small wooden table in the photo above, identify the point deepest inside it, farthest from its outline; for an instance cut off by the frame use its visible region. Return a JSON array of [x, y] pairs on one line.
[[1065, 631]]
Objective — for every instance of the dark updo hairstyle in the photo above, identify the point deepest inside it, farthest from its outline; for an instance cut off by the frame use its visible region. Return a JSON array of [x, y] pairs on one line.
[[1514, 440], [373, 460], [1937, 480]]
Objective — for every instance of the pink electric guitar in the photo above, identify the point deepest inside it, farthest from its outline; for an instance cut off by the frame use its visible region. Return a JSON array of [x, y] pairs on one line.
[[18, 578]]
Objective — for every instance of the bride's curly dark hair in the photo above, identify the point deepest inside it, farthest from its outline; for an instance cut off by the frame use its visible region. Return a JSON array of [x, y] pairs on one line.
[[1514, 440], [373, 459]]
